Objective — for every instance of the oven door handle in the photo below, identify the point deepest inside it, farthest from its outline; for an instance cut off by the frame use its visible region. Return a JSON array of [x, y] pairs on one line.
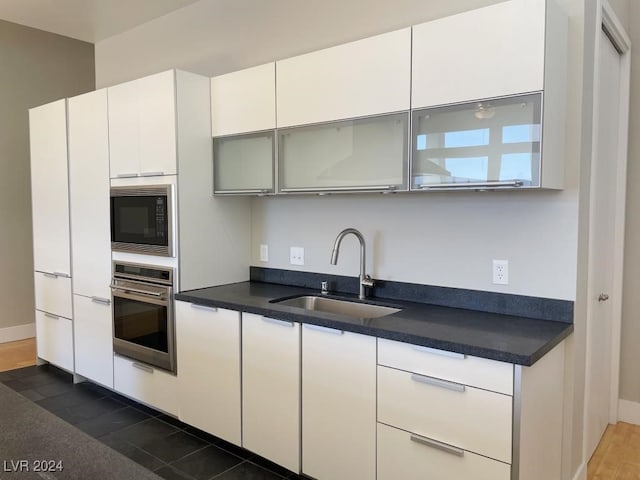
[[135, 290]]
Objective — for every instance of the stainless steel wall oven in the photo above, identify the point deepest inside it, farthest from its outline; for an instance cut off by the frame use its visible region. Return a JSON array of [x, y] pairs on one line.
[[143, 318], [141, 219]]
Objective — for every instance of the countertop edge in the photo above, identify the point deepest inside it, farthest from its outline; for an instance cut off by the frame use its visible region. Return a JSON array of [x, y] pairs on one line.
[[492, 354]]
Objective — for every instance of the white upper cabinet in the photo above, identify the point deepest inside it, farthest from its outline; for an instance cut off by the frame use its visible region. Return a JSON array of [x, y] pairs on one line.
[[89, 194], [361, 78], [49, 188], [488, 52], [488, 96], [243, 115], [244, 101], [142, 126]]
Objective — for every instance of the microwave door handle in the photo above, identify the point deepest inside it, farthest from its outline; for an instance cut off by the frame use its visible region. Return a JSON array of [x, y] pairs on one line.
[[135, 290]]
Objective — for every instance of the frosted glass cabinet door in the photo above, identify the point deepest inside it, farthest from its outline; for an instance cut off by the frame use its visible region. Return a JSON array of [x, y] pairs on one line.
[[493, 143], [244, 164], [366, 154]]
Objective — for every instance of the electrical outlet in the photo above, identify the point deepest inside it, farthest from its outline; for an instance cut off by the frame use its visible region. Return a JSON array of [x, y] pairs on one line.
[[296, 256], [264, 253], [501, 272]]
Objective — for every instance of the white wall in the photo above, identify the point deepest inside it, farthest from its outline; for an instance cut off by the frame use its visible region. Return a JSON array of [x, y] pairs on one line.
[[447, 239], [630, 354], [37, 67]]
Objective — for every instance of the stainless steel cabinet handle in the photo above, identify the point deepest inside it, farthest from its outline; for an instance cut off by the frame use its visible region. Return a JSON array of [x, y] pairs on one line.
[[257, 191], [104, 301], [436, 382], [126, 175], [282, 323], [443, 353], [143, 367], [135, 290], [51, 315], [461, 185], [204, 307], [56, 274], [445, 447], [324, 329], [337, 189], [151, 174]]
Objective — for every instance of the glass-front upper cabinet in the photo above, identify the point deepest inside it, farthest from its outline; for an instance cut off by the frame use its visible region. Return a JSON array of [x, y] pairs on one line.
[[243, 164], [487, 144], [365, 154]]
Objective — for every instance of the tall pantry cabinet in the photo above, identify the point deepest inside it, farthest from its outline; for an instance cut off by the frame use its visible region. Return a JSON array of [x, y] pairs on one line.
[[88, 138], [51, 253]]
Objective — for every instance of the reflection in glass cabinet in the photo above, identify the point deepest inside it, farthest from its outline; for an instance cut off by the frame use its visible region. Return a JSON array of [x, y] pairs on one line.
[[366, 154], [491, 143], [243, 164]]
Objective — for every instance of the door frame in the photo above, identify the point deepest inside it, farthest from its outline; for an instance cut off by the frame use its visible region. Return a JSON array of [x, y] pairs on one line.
[[607, 20]]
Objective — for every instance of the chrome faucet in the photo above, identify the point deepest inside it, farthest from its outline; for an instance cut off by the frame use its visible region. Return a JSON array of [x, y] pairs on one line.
[[365, 280]]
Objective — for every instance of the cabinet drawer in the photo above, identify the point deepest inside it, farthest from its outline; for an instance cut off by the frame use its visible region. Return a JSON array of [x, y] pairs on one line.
[[467, 417], [54, 339], [401, 458], [53, 294], [468, 370], [147, 384]]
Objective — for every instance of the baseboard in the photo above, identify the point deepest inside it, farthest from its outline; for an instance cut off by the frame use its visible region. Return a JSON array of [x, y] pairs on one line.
[[18, 332], [581, 474], [629, 411]]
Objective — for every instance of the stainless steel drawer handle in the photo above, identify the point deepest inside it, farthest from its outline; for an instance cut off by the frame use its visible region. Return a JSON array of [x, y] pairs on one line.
[[197, 306], [282, 323], [324, 329], [436, 382], [463, 185], [103, 301], [143, 367], [442, 353], [445, 447], [126, 175], [62, 274], [51, 315], [50, 275], [151, 174]]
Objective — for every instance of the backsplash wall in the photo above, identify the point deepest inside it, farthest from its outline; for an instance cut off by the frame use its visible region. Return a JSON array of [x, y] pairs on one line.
[[445, 239]]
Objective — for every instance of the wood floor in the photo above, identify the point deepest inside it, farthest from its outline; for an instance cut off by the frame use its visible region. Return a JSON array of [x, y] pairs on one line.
[[616, 458], [17, 354], [618, 454]]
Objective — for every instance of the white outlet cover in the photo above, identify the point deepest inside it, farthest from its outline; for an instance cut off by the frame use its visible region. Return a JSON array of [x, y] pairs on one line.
[[264, 253], [501, 272], [296, 256]]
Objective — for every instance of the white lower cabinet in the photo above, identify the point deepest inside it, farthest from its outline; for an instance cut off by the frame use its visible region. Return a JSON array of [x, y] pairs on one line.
[[53, 293], [406, 456], [55, 339], [146, 384], [208, 349], [338, 404], [93, 335], [271, 389]]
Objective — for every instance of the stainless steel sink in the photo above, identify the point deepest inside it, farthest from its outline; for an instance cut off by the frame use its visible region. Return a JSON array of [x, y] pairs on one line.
[[340, 307]]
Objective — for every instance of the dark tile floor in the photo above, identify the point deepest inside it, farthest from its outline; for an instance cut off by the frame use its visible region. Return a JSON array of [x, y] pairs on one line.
[[159, 442]]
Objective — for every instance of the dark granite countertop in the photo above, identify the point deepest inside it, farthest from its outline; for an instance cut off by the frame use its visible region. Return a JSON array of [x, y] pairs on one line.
[[507, 338]]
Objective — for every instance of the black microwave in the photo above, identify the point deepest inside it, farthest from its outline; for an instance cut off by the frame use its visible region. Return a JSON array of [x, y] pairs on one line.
[[141, 219]]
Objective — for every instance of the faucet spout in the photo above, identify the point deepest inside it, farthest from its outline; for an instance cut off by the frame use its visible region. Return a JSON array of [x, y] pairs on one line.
[[365, 280]]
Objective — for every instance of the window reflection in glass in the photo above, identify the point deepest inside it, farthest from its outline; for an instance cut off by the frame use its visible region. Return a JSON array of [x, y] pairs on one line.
[[487, 141]]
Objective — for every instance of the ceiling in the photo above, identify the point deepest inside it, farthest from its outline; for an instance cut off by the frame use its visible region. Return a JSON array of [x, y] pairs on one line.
[[88, 20]]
